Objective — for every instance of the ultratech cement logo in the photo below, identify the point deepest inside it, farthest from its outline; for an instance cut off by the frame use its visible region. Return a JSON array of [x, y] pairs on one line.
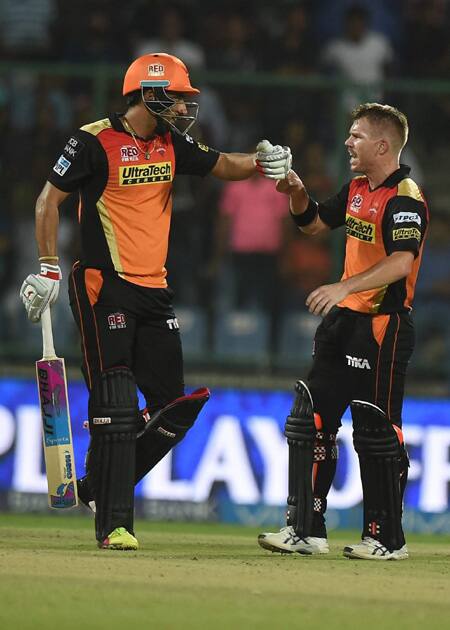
[[405, 234], [148, 174], [363, 230]]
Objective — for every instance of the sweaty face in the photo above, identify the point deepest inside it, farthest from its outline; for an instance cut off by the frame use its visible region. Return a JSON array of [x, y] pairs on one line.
[[363, 145]]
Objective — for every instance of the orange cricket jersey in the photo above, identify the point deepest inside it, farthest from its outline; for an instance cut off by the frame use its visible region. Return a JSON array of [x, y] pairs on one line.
[[125, 188], [392, 217]]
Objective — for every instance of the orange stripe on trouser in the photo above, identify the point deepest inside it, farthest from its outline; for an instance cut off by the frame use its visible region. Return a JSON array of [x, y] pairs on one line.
[[94, 281], [379, 328], [319, 424]]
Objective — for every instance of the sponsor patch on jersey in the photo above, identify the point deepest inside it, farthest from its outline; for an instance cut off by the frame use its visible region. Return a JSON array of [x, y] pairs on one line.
[[62, 165], [156, 70], [148, 174], [407, 217], [356, 203], [129, 153], [362, 230], [203, 147], [405, 234], [72, 148]]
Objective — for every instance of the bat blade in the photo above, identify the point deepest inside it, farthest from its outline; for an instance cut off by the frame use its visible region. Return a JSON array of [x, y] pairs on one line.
[[57, 433]]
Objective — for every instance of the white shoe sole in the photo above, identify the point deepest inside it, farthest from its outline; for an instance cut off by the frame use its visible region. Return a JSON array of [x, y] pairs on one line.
[[354, 555], [265, 544]]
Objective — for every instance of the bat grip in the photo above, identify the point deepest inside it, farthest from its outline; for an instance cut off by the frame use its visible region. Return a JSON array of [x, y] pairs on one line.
[[47, 335]]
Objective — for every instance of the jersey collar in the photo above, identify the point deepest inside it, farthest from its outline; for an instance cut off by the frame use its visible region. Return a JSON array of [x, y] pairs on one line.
[[396, 177], [116, 123]]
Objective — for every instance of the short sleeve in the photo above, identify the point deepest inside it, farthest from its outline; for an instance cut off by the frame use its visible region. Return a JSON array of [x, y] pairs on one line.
[[79, 159], [192, 157], [332, 212], [404, 224]]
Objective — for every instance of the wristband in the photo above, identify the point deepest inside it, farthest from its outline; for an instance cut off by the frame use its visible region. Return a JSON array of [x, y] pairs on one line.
[[52, 272], [41, 258], [308, 216]]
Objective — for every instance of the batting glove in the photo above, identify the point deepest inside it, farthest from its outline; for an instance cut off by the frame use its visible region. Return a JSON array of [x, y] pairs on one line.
[[273, 162], [40, 290]]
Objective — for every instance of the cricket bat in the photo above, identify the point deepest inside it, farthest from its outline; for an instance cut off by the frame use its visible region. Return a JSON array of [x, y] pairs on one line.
[[56, 429]]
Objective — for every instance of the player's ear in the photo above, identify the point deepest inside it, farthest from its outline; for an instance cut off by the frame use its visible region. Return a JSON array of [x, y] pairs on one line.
[[383, 147]]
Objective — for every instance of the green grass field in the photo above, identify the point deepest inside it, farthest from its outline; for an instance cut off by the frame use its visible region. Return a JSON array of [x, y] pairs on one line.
[[188, 576]]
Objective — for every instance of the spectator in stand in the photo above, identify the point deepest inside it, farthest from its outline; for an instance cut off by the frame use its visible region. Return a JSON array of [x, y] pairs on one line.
[[433, 285], [427, 27], [433, 301], [294, 50], [306, 263], [386, 17], [98, 38], [359, 55], [26, 29], [169, 37], [235, 48], [251, 229]]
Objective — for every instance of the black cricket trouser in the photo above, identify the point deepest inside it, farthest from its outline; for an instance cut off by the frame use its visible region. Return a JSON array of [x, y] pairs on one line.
[[360, 357], [356, 357], [124, 324]]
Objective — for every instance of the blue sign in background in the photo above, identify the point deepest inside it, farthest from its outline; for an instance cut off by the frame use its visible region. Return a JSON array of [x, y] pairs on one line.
[[427, 419]]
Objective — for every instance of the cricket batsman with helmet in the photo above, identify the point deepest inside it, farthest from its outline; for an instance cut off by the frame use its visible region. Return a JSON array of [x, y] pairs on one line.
[[122, 168]]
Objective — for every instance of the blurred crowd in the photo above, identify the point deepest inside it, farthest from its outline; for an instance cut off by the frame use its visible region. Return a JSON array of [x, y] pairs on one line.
[[247, 58]]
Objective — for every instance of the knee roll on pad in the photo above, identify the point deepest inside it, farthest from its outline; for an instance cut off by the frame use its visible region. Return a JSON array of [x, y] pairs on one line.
[[113, 415], [383, 463], [166, 428]]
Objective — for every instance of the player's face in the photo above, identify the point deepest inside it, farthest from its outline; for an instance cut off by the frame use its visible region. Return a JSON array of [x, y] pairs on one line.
[[179, 107], [363, 145]]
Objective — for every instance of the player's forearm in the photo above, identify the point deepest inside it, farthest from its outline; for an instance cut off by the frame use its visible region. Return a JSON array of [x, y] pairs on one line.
[[47, 221], [304, 211], [393, 268], [235, 166]]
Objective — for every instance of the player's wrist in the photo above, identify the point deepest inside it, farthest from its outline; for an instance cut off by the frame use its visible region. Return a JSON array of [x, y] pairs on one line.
[[305, 212], [50, 271]]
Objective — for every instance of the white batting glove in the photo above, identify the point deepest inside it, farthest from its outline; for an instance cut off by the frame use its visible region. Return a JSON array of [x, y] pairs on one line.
[[40, 290], [273, 162]]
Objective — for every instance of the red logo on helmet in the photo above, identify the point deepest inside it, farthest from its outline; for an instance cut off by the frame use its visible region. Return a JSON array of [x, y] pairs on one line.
[[156, 70]]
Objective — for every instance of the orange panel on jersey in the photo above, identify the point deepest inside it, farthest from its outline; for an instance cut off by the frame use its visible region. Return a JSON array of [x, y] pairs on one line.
[[136, 207]]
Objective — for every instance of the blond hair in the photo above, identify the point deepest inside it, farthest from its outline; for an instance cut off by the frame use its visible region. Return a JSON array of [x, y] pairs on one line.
[[384, 115]]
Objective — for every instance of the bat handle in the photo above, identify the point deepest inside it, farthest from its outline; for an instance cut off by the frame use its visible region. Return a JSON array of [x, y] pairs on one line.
[[47, 335]]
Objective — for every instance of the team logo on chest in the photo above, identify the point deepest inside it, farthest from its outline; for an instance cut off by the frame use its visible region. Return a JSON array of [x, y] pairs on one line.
[[356, 203], [128, 153]]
